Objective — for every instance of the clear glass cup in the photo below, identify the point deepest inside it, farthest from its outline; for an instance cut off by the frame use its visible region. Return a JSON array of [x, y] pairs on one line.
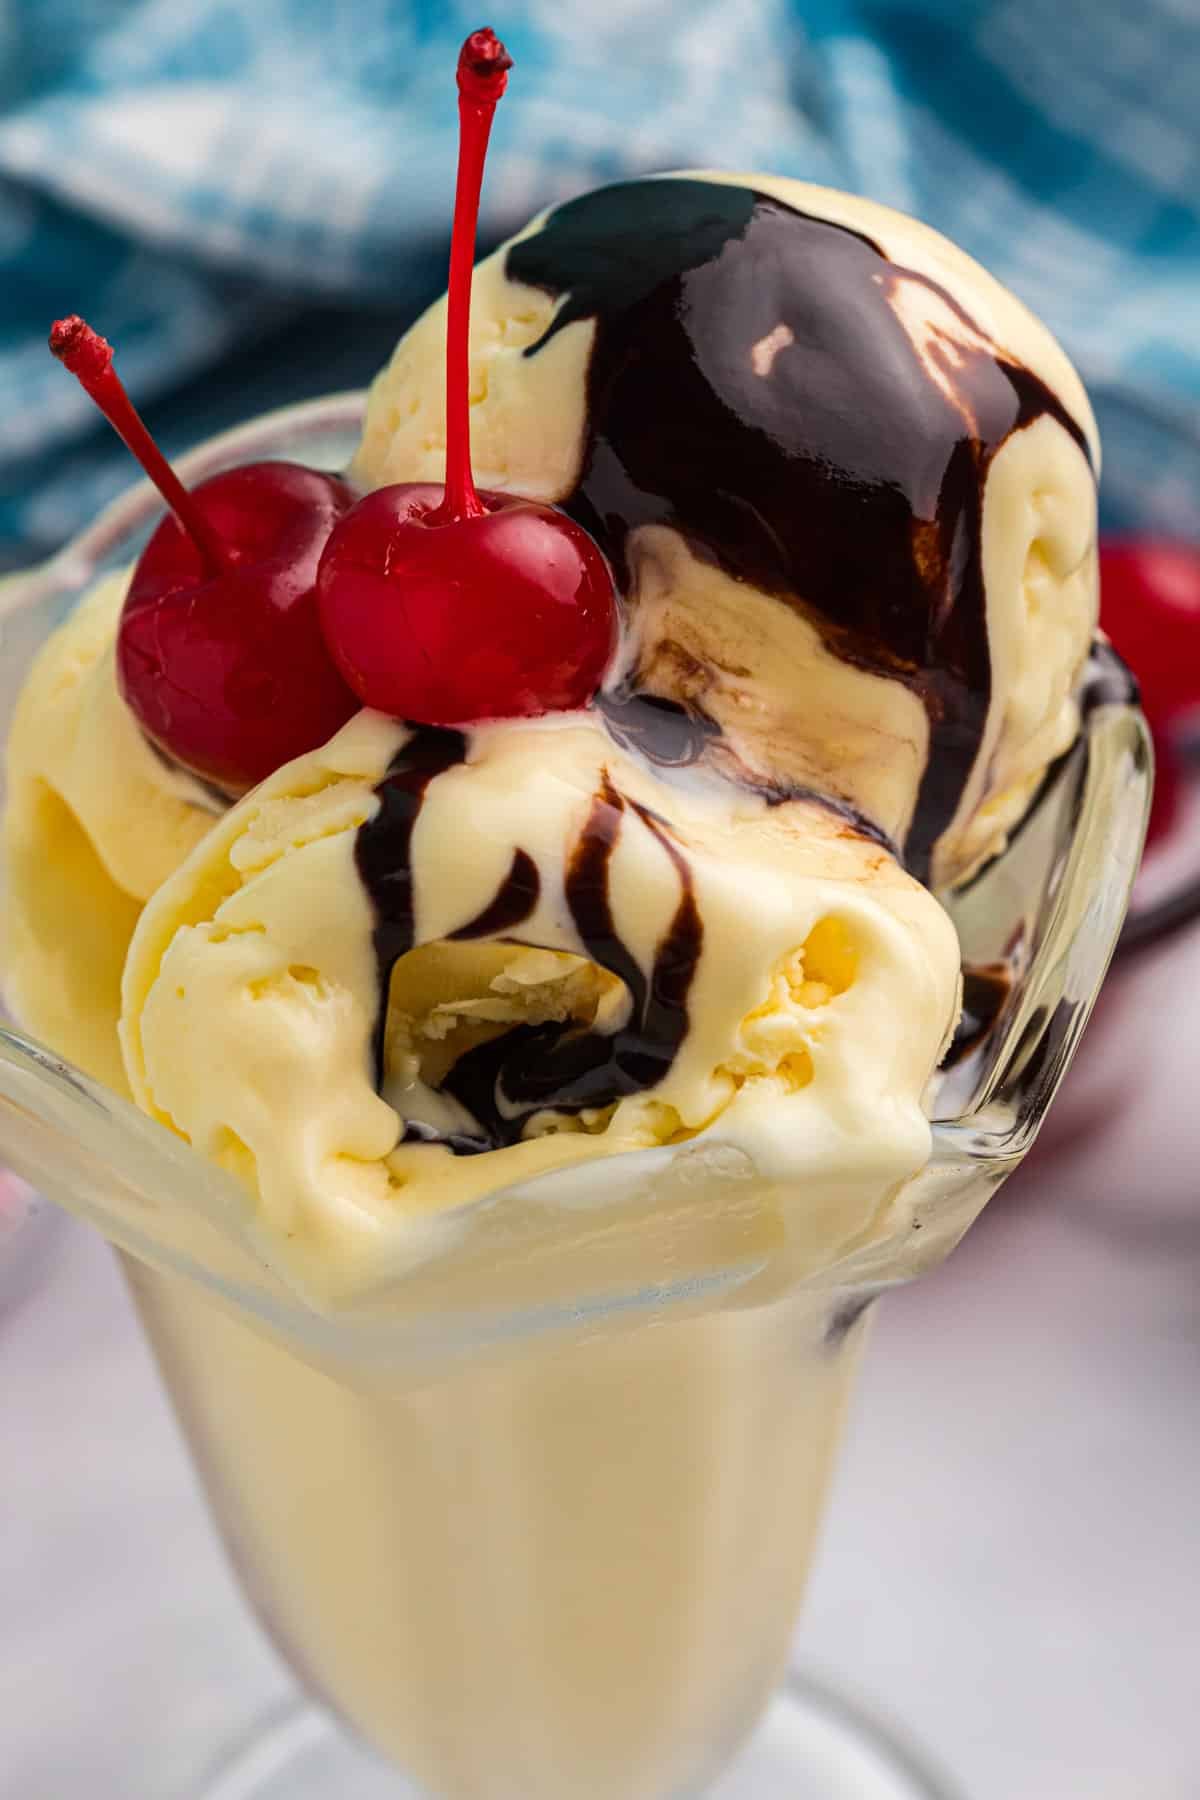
[[534, 1519]]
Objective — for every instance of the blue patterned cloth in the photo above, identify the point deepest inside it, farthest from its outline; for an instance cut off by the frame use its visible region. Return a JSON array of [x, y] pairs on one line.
[[251, 200]]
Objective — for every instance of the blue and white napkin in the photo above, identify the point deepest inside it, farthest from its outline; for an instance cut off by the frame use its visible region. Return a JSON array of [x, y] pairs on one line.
[[194, 174]]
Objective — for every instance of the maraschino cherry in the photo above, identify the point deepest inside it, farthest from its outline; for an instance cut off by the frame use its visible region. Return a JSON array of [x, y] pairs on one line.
[[1150, 607], [220, 654], [445, 606]]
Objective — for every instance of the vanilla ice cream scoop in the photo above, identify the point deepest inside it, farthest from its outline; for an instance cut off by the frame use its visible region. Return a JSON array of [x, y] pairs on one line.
[[418, 967], [847, 481], [95, 819]]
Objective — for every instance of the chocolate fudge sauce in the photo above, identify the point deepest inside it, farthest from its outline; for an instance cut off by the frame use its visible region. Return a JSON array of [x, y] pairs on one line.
[[753, 386]]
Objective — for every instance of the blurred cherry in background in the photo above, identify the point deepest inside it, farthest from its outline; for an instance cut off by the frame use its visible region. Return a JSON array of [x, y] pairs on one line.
[[1120, 1145], [1150, 607]]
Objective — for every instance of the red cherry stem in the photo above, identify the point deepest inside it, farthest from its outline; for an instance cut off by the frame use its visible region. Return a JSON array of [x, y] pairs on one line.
[[88, 356], [483, 65]]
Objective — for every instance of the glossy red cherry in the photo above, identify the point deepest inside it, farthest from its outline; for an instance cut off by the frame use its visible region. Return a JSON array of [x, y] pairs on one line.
[[220, 654], [509, 615], [447, 606], [230, 673], [1150, 607]]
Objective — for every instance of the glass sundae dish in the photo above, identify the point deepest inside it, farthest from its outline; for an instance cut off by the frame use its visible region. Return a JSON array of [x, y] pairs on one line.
[[493, 965]]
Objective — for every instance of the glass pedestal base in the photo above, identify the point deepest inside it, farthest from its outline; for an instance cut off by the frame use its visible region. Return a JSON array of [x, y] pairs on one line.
[[810, 1745]]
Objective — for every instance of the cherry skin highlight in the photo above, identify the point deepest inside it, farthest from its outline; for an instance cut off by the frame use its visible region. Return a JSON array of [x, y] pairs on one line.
[[1150, 607], [220, 655], [445, 606]]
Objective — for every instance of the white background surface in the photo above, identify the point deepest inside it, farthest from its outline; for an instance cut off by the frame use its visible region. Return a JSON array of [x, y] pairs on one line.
[[1012, 1568]]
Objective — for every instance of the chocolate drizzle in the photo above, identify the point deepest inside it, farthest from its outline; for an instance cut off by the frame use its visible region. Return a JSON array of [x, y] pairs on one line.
[[514, 900], [565, 1067], [383, 853], [562, 1066], [753, 384]]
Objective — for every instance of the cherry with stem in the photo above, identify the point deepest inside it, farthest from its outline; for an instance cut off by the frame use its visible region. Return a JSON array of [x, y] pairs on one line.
[[449, 605], [220, 654]]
